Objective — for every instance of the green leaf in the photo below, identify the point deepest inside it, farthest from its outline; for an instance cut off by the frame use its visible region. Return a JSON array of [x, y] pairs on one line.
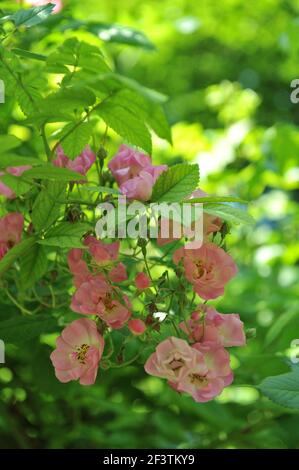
[[30, 17], [206, 199], [50, 172], [75, 142], [69, 99], [126, 124], [8, 160], [8, 142], [283, 389], [17, 251], [16, 183], [279, 325], [176, 183], [29, 54], [78, 54], [147, 110], [46, 208], [66, 235], [30, 94], [229, 213], [120, 34], [101, 189], [21, 329], [33, 266]]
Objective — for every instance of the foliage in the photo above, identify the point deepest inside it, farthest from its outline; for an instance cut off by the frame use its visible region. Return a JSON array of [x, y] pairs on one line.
[[89, 74]]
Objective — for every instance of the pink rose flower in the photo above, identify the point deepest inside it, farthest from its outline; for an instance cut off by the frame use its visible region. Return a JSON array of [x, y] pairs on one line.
[[202, 371], [136, 326], [208, 325], [96, 297], [139, 188], [134, 173], [78, 353], [208, 268], [142, 281], [78, 266], [210, 224], [127, 164], [80, 164], [88, 298], [15, 171], [11, 227], [204, 387], [118, 273], [115, 312], [173, 359], [105, 255]]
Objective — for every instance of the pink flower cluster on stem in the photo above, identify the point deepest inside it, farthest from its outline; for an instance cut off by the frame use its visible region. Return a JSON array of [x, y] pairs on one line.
[[197, 363], [202, 368]]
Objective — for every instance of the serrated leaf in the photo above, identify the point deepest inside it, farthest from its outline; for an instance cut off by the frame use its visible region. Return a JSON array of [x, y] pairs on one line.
[[21, 329], [50, 172], [147, 110], [176, 183], [75, 142], [8, 142], [78, 54], [17, 251], [33, 265], [126, 124], [282, 389], [28, 98], [66, 235], [8, 160], [229, 213], [16, 183], [29, 54], [68, 98], [46, 208], [31, 16]]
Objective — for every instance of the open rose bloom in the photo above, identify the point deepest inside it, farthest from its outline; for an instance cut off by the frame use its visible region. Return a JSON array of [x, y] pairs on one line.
[[206, 324], [201, 370], [78, 353], [95, 292], [208, 269]]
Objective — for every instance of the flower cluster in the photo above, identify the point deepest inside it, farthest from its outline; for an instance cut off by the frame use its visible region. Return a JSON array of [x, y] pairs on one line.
[[201, 368], [195, 360], [81, 164]]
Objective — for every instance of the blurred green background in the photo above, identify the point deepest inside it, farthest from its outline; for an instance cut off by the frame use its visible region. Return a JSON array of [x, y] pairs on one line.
[[226, 68]]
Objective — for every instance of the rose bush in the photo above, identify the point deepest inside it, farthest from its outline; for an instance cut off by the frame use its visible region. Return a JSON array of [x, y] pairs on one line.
[[118, 287]]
